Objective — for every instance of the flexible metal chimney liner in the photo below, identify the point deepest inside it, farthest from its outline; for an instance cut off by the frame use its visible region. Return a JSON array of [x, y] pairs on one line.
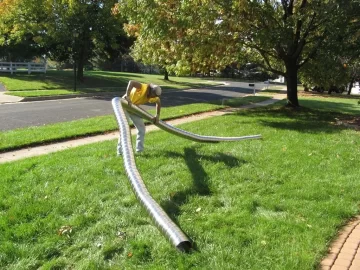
[[179, 132], [161, 219]]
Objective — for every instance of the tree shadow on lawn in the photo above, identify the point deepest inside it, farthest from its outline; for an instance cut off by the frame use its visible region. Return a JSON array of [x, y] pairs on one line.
[[60, 79], [327, 104], [303, 119], [115, 74], [65, 79], [200, 177]]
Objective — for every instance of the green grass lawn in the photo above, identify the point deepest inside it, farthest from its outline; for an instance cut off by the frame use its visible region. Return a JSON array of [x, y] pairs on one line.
[[25, 137], [336, 104], [274, 203], [62, 82]]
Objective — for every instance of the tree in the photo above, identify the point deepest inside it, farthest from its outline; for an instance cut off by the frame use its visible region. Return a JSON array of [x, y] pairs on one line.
[[281, 36], [144, 51], [65, 29], [354, 73], [15, 44], [326, 72], [166, 39], [336, 62]]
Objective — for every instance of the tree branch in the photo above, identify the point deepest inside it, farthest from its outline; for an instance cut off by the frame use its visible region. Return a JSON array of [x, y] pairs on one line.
[[268, 65], [311, 54]]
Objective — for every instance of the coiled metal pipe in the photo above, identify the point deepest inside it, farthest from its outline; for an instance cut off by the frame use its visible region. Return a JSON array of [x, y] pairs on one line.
[[163, 222]]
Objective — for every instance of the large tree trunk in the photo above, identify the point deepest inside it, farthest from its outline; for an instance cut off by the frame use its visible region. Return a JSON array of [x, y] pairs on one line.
[[83, 48], [166, 75], [80, 64], [80, 70], [351, 85], [291, 83]]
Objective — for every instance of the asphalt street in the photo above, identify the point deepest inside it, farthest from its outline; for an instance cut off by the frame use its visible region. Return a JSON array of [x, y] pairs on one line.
[[38, 113]]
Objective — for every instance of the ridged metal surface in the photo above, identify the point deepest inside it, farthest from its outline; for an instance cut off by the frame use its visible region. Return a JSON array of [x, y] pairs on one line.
[[182, 133], [164, 223]]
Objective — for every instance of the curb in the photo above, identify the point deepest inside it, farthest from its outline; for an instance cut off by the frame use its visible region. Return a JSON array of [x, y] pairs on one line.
[[6, 99], [94, 95]]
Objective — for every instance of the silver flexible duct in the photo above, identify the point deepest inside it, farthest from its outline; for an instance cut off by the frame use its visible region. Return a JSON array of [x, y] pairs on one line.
[[179, 132], [164, 223]]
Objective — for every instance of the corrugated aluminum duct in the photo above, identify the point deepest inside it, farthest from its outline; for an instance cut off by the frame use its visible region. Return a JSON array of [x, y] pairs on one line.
[[161, 219]]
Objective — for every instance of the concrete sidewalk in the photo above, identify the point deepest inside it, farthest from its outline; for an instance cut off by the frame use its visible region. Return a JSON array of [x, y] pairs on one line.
[[4, 99], [7, 98]]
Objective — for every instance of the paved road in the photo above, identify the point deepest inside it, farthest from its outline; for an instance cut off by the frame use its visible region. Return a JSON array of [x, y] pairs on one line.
[[40, 113]]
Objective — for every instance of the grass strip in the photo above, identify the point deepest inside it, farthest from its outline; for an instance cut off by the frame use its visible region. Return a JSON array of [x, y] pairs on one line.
[[32, 136], [274, 203], [342, 104], [56, 82]]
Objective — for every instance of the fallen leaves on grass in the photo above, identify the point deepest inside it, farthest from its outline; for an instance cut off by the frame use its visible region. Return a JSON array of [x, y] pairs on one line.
[[121, 235], [350, 122], [65, 230]]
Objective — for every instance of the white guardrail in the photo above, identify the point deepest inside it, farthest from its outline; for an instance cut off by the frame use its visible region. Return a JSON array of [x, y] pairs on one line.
[[28, 67]]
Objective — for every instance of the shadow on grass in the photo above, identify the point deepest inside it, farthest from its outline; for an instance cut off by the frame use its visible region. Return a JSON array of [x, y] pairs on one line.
[[115, 74], [302, 119], [50, 80], [64, 79], [330, 105], [200, 178], [53, 80], [325, 95]]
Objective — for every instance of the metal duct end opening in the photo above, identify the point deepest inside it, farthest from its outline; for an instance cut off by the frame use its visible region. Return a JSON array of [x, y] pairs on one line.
[[184, 246]]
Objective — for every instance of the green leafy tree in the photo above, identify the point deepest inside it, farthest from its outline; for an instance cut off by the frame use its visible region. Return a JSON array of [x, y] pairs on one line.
[[281, 36], [350, 53], [336, 61], [66, 30], [144, 51], [16, 44], [354, 73], [168, 39], [326, 71]]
